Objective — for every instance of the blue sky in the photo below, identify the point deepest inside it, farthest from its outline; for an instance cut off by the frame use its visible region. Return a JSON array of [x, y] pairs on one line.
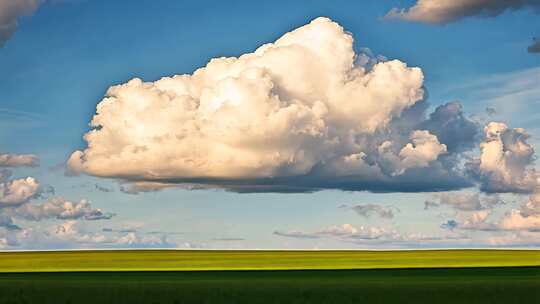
[[59, 63]]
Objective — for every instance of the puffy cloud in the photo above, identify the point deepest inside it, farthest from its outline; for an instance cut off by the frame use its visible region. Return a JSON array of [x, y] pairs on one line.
[[10, 10], [526, 218], [518, 238], [68, 231], [18, 160], [133, 239], [515, 220], [18, 191], [423, 149], [506, 160], [478, 221], [71, 234], [532, 207], [347, 231], [361, 232], [446, 11], [368, 210], [534, 47], [337, 120], [366, 235], [60, 208]]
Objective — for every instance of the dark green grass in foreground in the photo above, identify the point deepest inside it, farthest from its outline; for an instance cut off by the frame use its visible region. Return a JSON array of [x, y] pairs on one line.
[[196, 260], [458, 285]]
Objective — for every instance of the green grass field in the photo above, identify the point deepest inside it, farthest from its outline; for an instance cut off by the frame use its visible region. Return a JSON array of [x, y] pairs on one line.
[[188, 260], [456, 285], [171, 276]]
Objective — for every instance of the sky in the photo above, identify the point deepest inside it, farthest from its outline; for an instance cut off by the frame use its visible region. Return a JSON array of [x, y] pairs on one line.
[[283, 125]]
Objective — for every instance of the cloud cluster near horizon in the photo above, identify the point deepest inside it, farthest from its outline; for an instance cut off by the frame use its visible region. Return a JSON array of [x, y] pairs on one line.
[[447, 11], [301, 114], [18, 207]]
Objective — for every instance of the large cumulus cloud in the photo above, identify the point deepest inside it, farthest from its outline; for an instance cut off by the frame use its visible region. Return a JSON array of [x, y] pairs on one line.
[[10, 11], [300, 114], [446, 11]]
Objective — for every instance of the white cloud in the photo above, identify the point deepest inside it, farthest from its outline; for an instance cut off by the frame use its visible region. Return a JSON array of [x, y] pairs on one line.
[[478, 221], [344, 231], [361, 232], [18, 160], [518, 238], [506, 160], [60, 208], [527, 218], [71, 234], [515, 220], [18, 191], [251, 116], [421, 151], [10, 11], [446, 11], [366, 235], [254, 123]]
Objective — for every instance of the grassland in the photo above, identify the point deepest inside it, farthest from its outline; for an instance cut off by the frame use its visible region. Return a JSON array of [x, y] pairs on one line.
[[171, 276], [188, 260], [456, 285]]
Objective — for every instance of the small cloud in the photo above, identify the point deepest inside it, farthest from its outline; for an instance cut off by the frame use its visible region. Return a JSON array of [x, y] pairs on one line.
[[18, 160], [368, 210], [443, 11], [19, 191]]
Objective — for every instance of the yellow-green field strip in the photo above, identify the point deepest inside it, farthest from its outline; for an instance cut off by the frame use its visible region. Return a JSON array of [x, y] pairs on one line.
[[200, 260]]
